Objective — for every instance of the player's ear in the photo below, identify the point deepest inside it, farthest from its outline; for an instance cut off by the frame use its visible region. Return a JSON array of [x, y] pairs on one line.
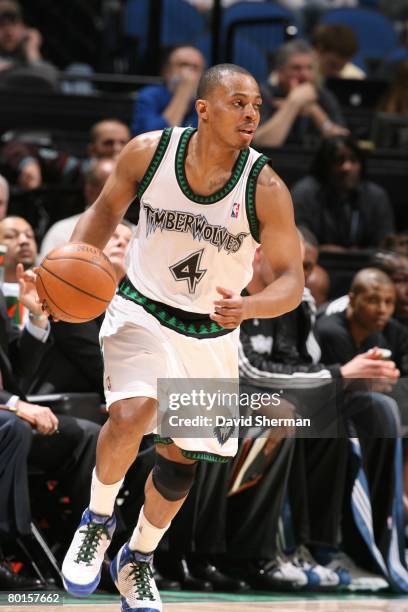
[[202, 109]]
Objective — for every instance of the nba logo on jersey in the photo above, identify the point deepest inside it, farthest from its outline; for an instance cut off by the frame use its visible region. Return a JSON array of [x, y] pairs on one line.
[[235, 210]]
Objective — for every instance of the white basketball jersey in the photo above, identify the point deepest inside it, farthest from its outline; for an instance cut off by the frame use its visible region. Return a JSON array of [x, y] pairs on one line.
[[187, 244]]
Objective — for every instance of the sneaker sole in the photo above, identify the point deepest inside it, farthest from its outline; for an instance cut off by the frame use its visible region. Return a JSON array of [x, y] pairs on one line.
[[81, 590]]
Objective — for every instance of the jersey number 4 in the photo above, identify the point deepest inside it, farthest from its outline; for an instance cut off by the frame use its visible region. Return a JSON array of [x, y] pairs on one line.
[[188, 269]]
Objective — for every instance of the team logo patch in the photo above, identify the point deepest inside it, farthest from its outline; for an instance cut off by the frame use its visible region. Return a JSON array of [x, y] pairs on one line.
[[235, 210]]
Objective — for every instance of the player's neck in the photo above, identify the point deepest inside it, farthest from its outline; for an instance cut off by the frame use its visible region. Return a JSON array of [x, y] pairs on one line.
[[208, 155]]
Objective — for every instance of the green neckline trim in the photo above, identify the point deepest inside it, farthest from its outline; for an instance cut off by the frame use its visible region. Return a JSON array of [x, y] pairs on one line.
[[250, 196], [196, 455], [205, 328], [154, 164], [182, 179]]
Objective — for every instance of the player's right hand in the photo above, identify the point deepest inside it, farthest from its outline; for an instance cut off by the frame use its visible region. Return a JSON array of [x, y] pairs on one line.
[[40, 418]]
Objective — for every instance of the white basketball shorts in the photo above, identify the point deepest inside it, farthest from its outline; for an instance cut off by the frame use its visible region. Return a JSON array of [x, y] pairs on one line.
[[138, 350]]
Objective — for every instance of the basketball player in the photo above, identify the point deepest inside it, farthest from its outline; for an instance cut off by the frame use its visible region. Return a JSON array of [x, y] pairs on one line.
[[206, 201]]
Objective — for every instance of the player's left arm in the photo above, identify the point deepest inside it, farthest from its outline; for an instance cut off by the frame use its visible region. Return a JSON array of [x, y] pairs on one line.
[[281, 246]]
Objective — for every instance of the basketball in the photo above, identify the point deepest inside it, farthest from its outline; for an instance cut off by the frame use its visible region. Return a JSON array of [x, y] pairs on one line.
[[76, 282]]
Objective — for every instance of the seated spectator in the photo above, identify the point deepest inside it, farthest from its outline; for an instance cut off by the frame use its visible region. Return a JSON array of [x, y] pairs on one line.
[[283, 353], [337, 203], [335, 44], [74, 361], [20, 49], [316, 278], [18, 236], [366, 323], [29, 165], [62, 447], [396, 267], [396, 99], [295, 109], [94, 179], [107, 139], [4, 197], [160, 106]]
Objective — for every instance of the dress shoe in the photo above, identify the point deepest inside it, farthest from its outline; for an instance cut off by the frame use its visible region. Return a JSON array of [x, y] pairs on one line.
[[181, 572], [219, 581], [165, 584], [10, 581]]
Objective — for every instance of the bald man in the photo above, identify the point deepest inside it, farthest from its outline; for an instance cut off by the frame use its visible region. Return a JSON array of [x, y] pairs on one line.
[[366, 322], [365, 326], [107, 138]]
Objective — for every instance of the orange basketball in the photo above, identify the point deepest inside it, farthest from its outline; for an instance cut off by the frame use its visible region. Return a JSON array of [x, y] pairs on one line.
[[76, 282]]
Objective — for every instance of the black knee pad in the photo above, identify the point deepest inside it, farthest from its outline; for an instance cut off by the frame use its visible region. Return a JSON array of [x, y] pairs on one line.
[[173, 480]]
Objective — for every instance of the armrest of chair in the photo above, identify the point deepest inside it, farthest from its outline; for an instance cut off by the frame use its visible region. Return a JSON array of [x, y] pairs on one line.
[[81, 405]]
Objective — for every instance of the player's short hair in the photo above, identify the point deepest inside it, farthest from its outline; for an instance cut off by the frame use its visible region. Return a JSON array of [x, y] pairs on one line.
[[335, 38], [214, 77]]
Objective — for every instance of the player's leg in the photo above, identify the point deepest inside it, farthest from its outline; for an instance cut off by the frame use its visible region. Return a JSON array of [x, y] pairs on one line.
[[166, 489], [117, 448]]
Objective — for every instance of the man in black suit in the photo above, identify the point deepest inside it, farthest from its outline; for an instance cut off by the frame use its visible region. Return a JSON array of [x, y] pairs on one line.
[[30, 435]]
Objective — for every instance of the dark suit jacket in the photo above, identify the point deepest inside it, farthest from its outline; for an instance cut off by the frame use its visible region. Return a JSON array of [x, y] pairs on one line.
[[20, 355], [74, 362]]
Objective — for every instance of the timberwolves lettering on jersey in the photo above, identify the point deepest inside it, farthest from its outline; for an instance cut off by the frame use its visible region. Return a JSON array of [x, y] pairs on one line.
[[187, 244], [197, 225]]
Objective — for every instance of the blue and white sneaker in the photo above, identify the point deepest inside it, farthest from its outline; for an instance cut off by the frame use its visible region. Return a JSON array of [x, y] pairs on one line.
[[81, 569], [131, 571]]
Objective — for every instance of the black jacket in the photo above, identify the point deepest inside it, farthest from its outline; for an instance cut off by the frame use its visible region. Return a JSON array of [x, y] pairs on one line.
[[74, 363], [272, 350], [20, 355], [361, 221], [337, 342]]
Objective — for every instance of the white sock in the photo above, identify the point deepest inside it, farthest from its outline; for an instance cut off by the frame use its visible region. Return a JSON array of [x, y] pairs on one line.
[[146, 536], [103, 496]]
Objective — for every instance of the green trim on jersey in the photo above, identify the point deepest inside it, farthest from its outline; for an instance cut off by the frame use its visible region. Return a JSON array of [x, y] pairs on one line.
[[250, 196], [201, 327], [196, 455], [154, 164], [182, 179]]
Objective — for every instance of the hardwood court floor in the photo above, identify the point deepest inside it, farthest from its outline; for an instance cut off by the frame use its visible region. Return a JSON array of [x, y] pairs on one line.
[[310, 605]]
